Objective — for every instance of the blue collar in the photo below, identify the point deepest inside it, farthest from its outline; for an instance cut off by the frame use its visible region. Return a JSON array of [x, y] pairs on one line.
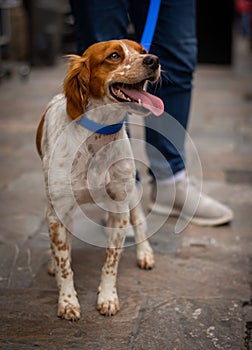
[[99, 128]]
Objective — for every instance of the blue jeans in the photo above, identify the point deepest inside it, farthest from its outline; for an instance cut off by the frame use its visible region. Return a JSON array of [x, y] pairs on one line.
[[176, 45]]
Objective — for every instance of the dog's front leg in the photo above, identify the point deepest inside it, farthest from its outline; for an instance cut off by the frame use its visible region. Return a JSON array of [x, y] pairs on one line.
[[68, 305], [108, 303], [119, 190]]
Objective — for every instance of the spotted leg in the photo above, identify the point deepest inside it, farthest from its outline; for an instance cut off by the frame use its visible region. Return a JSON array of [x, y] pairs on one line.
[[68, 305], [145, 256], [108, 303]]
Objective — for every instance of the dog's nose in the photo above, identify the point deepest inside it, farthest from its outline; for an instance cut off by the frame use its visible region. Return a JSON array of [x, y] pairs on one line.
[[151, 61]]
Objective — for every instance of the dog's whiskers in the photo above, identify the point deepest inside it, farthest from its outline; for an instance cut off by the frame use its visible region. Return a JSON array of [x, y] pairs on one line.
[[165, 75]]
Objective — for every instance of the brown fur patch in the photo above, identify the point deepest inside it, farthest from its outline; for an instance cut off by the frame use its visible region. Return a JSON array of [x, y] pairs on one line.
[[40, 134]]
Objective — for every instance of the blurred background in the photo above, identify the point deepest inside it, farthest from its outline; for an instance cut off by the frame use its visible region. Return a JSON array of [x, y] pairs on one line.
[[37, 32]]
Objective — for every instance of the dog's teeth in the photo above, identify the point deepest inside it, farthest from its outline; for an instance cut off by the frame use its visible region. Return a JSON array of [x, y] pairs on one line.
[[140, 102], [120, 93]]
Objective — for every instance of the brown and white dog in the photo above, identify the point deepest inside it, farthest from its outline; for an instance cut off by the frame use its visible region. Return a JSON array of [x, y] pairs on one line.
[[113, 74]]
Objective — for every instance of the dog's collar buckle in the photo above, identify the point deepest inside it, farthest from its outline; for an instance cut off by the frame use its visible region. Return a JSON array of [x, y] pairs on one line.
[[89, 124]]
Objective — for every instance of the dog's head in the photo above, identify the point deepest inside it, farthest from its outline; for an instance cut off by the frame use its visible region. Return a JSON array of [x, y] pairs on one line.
[[114, 71]]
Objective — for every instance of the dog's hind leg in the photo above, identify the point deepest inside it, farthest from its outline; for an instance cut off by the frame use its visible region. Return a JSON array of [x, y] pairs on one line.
[[145, 256]]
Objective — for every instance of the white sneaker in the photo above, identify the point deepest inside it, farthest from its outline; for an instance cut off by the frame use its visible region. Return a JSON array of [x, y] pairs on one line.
[[184, 199]]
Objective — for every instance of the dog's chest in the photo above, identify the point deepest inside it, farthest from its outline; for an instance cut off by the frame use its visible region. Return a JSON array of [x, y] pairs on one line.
[[95, 159]]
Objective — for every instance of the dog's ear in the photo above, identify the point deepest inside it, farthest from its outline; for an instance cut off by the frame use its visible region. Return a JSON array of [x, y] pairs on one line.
[[76, 86]]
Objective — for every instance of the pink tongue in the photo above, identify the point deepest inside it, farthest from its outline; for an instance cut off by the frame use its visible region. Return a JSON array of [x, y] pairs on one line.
[[149, 101]]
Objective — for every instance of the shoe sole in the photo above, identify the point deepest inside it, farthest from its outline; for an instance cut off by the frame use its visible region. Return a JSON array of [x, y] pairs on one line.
[[161, 210]]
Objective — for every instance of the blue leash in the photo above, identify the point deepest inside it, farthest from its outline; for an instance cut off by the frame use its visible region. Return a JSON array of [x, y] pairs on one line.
[[146, 41], [150, 24]]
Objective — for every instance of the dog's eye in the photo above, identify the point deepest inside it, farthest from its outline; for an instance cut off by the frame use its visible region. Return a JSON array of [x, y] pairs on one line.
[[114, 56], [144, 52]]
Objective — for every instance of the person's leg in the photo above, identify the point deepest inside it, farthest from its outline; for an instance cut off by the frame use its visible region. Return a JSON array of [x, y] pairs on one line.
[[176, 45], [99, 20]]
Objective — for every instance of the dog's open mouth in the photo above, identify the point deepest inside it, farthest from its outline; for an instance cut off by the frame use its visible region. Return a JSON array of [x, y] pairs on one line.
[[135, 93]]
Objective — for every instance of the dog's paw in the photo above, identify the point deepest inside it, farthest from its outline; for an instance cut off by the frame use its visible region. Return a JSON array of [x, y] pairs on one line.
[[107, 304], [145, 258], [69, 308]]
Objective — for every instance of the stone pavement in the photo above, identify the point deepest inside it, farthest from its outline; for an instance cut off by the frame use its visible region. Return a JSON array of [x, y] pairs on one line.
[[199, 294]]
